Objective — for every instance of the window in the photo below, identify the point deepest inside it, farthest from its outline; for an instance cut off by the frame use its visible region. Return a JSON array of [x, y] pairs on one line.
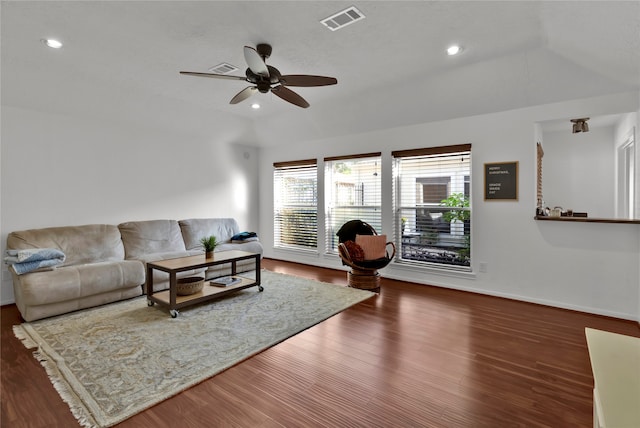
[[432, 193], [352, 192], [295, 205]]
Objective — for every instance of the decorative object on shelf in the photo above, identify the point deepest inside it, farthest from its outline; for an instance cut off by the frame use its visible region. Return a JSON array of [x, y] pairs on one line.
[[580, 125], [209, 243], [189, 285]]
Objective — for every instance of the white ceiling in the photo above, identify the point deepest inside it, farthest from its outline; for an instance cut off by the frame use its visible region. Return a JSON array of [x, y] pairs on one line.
[[121, 60]]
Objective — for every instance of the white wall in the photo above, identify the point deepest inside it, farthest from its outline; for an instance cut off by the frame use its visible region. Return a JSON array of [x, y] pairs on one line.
[[584, 266], [578, 171], [59, 170]]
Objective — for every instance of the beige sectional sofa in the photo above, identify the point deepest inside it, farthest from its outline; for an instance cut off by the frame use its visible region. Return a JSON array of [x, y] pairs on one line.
[[106, 263]]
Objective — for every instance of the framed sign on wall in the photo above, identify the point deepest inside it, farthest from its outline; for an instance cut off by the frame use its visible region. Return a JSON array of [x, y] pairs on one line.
[[501, 181]]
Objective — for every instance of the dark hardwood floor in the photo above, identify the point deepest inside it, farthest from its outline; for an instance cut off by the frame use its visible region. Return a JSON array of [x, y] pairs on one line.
[[413, 356]]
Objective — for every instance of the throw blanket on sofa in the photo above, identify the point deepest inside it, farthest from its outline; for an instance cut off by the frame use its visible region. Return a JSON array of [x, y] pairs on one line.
[[244, 237], [24, 261]]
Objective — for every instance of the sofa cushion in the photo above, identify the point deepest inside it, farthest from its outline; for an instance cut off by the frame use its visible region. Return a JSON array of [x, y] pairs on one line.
[[80, 244], [143, 238], [194, 229], [74, 282]]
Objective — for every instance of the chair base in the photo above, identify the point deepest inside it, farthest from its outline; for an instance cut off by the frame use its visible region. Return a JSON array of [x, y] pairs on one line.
[[364, 280]]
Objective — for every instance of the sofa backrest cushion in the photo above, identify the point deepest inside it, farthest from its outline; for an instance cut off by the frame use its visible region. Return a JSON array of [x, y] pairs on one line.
[[142, 238], [80, 244], [194, 229]]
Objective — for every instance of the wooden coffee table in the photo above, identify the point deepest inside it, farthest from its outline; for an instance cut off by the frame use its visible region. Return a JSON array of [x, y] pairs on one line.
[[170, 297]]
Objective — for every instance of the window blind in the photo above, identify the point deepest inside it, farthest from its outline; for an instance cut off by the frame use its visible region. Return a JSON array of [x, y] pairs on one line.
[[295, 216], [352, 192], [432, 204]]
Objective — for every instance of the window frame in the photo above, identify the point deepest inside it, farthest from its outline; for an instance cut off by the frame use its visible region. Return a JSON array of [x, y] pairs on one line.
[[305, 231], [429, 244], [363, 210]]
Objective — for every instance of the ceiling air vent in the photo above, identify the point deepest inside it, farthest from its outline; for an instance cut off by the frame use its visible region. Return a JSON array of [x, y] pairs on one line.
[[223, 68], [343, 18]]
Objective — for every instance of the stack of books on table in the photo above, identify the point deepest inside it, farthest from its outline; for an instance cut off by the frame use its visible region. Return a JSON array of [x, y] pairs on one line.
[[225, 281]]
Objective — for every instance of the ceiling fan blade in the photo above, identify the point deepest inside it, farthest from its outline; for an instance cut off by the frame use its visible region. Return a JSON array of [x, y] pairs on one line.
[[243, 94], [217, 76], [307, 80], [290, 96], [255, 61]]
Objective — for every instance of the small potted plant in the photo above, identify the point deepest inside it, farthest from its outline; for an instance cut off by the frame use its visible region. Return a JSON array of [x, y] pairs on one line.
[[209, 243]]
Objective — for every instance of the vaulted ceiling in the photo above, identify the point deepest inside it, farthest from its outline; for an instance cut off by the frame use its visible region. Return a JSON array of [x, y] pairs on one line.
[[120, 61]]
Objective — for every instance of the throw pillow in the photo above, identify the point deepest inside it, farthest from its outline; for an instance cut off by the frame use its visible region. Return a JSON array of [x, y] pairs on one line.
[[373, 246], [355, 251]]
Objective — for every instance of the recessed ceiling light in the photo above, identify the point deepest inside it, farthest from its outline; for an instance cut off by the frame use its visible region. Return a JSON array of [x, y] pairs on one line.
[[52, 43], [255, 106], [454, 50]]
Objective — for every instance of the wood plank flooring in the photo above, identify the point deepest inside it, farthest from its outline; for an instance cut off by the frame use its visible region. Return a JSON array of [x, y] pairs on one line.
[[413, 356]]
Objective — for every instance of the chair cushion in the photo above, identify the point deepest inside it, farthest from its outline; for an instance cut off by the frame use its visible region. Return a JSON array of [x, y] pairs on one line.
[[373, 246]]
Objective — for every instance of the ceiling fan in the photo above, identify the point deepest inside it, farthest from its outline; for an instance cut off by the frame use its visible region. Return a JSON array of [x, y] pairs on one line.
[[265, 78]]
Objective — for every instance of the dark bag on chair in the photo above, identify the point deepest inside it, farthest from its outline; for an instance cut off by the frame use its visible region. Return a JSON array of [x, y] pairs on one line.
[[350, 229]]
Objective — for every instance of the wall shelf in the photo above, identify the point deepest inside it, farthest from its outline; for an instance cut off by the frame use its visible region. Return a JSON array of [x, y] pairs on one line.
[[588, 219]]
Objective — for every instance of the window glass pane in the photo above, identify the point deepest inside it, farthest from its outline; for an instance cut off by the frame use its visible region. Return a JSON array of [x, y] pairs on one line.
[[433, 216], [295, 207], [352, 192]]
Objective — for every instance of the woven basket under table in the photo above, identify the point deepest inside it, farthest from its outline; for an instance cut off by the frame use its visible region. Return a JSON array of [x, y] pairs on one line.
[[189, 285]]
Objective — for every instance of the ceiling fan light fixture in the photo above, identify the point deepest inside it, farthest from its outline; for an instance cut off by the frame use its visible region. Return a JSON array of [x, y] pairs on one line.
[[580, 125]]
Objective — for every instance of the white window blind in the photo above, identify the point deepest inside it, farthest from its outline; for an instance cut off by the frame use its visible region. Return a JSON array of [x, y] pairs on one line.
[[295, 186], [432, 205], [352, 192]]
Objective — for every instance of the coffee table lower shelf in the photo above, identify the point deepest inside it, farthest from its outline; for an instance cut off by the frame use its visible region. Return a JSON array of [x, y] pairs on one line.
[[207, 293]]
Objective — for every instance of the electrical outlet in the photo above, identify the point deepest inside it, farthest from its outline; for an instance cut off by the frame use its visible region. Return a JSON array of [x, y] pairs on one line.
[[482, 267]]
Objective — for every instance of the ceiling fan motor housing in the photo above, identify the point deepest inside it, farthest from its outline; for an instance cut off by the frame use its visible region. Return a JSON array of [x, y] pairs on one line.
[[263, 86]]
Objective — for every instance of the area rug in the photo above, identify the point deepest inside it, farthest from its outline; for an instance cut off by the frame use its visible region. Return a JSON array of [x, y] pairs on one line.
[[111, 362]]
